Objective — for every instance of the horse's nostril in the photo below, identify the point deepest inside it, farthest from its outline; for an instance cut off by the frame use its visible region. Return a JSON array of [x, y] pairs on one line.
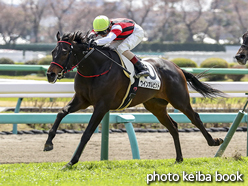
[[242, 56], [51, 74], [237, 56], [51, 77]]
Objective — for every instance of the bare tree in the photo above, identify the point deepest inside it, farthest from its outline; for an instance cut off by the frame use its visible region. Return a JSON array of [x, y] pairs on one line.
[[111, 9], [35, 11], [230, 19], [165, 19], [12, 23], [139, 12], [84, 13], [240, 9], [60, 9], [191, 13], [216, 19], [162, 20]]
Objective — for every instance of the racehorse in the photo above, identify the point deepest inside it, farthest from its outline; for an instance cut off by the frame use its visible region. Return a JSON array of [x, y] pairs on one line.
[[242, 54], [101, 83]]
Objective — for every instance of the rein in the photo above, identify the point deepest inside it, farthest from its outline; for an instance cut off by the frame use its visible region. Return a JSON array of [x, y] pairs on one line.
[[97, 74], [114, 61]]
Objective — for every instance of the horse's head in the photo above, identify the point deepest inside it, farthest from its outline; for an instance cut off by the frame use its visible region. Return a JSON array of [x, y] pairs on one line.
[[64, 55], [242, 54]]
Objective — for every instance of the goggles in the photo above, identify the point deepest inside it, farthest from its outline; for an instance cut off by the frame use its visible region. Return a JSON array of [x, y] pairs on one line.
[[102, 32]]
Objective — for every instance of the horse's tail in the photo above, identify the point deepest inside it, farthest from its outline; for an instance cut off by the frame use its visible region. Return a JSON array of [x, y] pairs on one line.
[[203, 88]]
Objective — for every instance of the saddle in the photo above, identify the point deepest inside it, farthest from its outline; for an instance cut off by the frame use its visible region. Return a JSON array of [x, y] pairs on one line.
[[151, 82]]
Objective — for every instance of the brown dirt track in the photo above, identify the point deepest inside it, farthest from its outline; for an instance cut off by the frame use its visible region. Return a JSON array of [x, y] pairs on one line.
[[29, 148]]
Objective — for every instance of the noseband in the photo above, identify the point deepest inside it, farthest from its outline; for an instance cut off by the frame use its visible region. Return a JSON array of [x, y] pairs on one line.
[[245, 40], [65, 68]]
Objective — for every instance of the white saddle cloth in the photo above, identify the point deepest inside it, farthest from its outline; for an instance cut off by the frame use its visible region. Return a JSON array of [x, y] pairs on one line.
[[151, 82]]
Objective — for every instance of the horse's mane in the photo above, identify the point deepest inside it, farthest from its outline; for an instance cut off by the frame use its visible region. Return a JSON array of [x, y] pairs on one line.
[[80, 38]]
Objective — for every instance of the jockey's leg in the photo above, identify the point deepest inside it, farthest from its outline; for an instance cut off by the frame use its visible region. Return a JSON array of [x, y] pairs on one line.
[[128, 44], [142, 69]]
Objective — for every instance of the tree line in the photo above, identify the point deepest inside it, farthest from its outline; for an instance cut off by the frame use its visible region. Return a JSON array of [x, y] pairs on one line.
[[176, 21]]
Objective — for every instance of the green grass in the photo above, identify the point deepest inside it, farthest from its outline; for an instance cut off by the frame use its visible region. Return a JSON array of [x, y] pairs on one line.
[[115, 173]]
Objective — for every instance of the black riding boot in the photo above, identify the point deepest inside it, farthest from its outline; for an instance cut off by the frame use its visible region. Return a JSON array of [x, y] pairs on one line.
[[142, 69]]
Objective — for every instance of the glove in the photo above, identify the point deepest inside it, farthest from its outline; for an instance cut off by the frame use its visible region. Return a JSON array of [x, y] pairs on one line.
[[92, 36], [92, 44]]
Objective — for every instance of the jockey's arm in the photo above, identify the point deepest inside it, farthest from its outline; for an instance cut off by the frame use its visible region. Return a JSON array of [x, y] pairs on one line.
[[108, 39], [114, 32]]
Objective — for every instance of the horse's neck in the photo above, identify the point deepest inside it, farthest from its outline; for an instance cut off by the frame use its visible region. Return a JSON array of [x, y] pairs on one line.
[[94, 63]]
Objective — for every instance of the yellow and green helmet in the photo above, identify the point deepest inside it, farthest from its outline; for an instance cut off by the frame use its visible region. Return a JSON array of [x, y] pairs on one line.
[[101, 23]]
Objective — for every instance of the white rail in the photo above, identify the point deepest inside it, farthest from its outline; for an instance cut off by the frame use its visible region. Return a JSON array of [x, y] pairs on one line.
[[66, 89]]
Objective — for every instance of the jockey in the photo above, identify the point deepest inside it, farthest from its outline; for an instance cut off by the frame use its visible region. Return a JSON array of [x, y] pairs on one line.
[[121, 34]]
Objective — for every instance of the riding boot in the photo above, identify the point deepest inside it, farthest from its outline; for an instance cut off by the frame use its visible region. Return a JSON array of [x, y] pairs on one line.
[[140, 67]]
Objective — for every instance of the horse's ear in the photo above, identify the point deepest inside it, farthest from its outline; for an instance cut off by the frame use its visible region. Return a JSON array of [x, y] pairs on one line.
[[245, 34], [71, 39], [58, 36]]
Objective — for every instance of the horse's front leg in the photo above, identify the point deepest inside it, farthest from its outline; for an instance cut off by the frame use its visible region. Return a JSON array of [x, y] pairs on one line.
[[74, 105], [96, 118]]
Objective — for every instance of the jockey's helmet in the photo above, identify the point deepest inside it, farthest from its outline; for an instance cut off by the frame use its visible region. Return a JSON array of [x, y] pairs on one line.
[[101, 23]]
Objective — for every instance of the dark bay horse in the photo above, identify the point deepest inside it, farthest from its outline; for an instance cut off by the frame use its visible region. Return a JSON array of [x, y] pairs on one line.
[[242, 54], [102, 84]]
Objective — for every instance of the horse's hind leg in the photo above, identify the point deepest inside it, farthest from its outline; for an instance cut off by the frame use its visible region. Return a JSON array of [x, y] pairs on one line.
[[195, 119], [74, 105], [158, 108], [182, 103]]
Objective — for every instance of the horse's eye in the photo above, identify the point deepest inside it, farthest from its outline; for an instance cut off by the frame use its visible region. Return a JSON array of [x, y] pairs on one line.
[[64, 52]]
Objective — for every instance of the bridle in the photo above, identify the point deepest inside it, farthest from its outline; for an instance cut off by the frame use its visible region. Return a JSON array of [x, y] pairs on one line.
[[244, 45], [65, 68], [86, 53], [244, 42]]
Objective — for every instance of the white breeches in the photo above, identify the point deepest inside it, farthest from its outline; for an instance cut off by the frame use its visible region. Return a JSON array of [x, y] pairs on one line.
[[130, 42]]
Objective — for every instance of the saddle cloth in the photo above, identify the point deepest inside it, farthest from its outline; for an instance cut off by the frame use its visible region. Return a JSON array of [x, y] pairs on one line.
[[151, 82]]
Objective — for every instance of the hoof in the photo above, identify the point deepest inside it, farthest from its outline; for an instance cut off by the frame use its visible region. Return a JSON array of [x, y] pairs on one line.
[[48, 147], [217, 142], [179, 161], [68, 166], [220, 140]]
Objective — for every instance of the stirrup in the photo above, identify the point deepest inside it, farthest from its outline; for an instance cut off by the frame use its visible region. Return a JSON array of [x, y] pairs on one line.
[[142, 73]]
